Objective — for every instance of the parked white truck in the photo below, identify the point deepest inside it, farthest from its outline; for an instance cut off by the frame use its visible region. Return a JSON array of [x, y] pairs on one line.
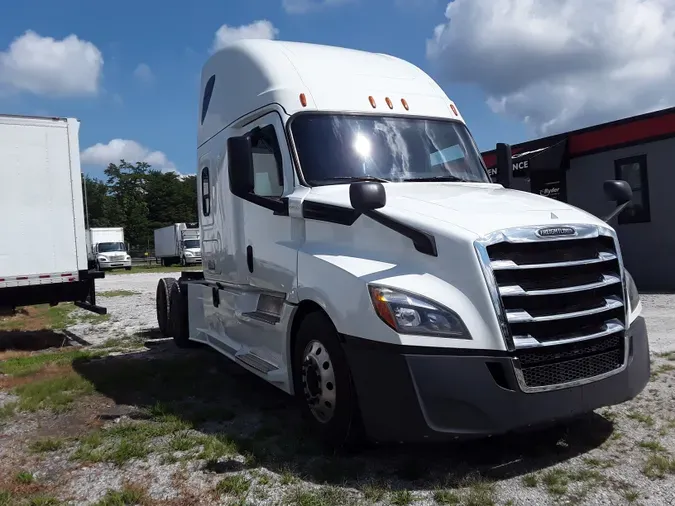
[[43, 253], [106, 248], [178, 243], [357, 255]]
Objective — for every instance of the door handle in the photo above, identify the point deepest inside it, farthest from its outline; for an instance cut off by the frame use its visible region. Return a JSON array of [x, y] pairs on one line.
[[249, 258]]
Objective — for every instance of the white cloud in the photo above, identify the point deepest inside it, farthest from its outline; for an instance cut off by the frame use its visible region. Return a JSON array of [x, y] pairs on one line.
[[131, 151], [561, 64], [260, 29], [46, 66], [304, 6], [143, 73]]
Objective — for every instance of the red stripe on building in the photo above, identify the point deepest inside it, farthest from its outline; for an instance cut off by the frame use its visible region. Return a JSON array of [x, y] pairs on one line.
[[614, 135]]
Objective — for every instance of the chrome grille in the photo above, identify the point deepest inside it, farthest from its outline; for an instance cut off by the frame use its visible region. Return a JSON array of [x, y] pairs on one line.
[[554, 294]]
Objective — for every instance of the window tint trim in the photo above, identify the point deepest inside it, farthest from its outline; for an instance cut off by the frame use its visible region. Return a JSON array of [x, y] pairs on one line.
[[295, 159], [208, 93], [644, 215]]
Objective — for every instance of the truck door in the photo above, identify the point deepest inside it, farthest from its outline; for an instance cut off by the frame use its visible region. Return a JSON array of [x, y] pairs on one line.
[[270, 259], [267, 255]]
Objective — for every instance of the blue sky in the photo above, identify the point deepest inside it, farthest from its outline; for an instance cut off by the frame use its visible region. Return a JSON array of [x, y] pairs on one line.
[[158, 109]]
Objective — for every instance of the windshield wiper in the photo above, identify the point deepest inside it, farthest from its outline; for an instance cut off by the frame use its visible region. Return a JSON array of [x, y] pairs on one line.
[[454, 179], [356, 178]]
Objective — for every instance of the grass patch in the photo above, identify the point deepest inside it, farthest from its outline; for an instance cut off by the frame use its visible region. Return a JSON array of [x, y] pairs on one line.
[[643, 418], [7, 410], [56, 394], [653, 446], [132, 342], [117, 293], [326, 496], [530, 480], [598, 463], [46, 445], [24, 477], [662, 369], [236, 486], [446, 497], [124, 442], [658, 466], [556, 481], [41, 317], [32, 364], [128, 496], [92, 318], [481, 494], [401, 498]]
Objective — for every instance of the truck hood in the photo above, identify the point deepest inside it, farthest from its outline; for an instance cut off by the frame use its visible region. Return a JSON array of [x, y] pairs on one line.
[[475, 207], [196, 251]]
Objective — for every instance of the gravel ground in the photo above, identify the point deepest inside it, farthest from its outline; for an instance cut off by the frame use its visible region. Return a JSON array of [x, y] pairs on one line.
[[221, 436]]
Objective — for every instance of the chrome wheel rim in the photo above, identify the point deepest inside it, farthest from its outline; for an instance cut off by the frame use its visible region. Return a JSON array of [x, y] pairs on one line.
[[318, 381]]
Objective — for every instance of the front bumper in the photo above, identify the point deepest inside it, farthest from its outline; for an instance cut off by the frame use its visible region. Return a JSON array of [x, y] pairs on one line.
[[115, 264], [193, 260], [421, 395]]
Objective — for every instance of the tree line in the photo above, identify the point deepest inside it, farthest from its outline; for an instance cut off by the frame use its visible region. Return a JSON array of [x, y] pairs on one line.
[[140, 199]]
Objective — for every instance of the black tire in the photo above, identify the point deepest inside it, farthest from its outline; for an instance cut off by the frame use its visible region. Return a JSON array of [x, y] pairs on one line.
[[342, 430], [163, 303], [127, 268], [178, 317]]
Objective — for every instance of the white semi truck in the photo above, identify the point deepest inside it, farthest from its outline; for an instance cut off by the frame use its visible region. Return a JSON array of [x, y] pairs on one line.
[[43, 252], [106, 248], [357, 255], [178, 243]]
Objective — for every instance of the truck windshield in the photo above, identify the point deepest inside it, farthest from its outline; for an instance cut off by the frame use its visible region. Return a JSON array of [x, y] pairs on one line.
[[104, 247], [336, 148], [191, 243]]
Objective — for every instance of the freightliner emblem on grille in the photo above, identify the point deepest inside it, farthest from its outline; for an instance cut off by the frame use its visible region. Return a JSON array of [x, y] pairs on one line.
[[555, 231]]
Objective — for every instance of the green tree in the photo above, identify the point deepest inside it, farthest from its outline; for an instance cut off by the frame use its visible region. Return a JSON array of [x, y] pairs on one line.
[[96, 197], [126, 187], [140, 199]]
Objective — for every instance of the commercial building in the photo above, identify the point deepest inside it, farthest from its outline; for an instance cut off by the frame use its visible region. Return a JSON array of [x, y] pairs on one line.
[[572, 167]]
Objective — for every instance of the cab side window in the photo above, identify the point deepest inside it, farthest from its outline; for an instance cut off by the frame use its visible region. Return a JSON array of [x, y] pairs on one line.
[[267, 168]]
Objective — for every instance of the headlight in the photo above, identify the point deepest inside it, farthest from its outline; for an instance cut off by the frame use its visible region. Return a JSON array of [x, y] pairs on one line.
[[633, 294], [127, 257], [102, 259], [412, 314], [189, 254]]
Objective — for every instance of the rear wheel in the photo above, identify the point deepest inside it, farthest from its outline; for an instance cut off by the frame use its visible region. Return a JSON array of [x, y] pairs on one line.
[[162, 301], [323, 383], [178, 317]]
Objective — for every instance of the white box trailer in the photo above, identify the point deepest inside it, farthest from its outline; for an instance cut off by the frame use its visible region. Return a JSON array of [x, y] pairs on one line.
[[106, 248], [358, 256], [178, 242], [43, 252]]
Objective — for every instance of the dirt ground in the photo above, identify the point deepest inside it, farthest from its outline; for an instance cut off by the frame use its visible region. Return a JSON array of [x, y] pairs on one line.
[[105, 412]]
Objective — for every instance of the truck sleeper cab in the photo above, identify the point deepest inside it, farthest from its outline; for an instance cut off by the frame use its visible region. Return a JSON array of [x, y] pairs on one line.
[[356, 255]]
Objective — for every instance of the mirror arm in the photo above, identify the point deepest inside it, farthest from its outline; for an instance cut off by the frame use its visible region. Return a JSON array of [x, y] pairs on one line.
[[616, 212]]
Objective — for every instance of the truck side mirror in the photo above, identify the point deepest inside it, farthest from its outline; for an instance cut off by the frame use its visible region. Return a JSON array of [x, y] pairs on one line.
[[504, 164], [240, 165], [367, 195], [618, 191]]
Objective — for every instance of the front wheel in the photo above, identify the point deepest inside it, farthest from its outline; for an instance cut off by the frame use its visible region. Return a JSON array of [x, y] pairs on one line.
[[323, 383]]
